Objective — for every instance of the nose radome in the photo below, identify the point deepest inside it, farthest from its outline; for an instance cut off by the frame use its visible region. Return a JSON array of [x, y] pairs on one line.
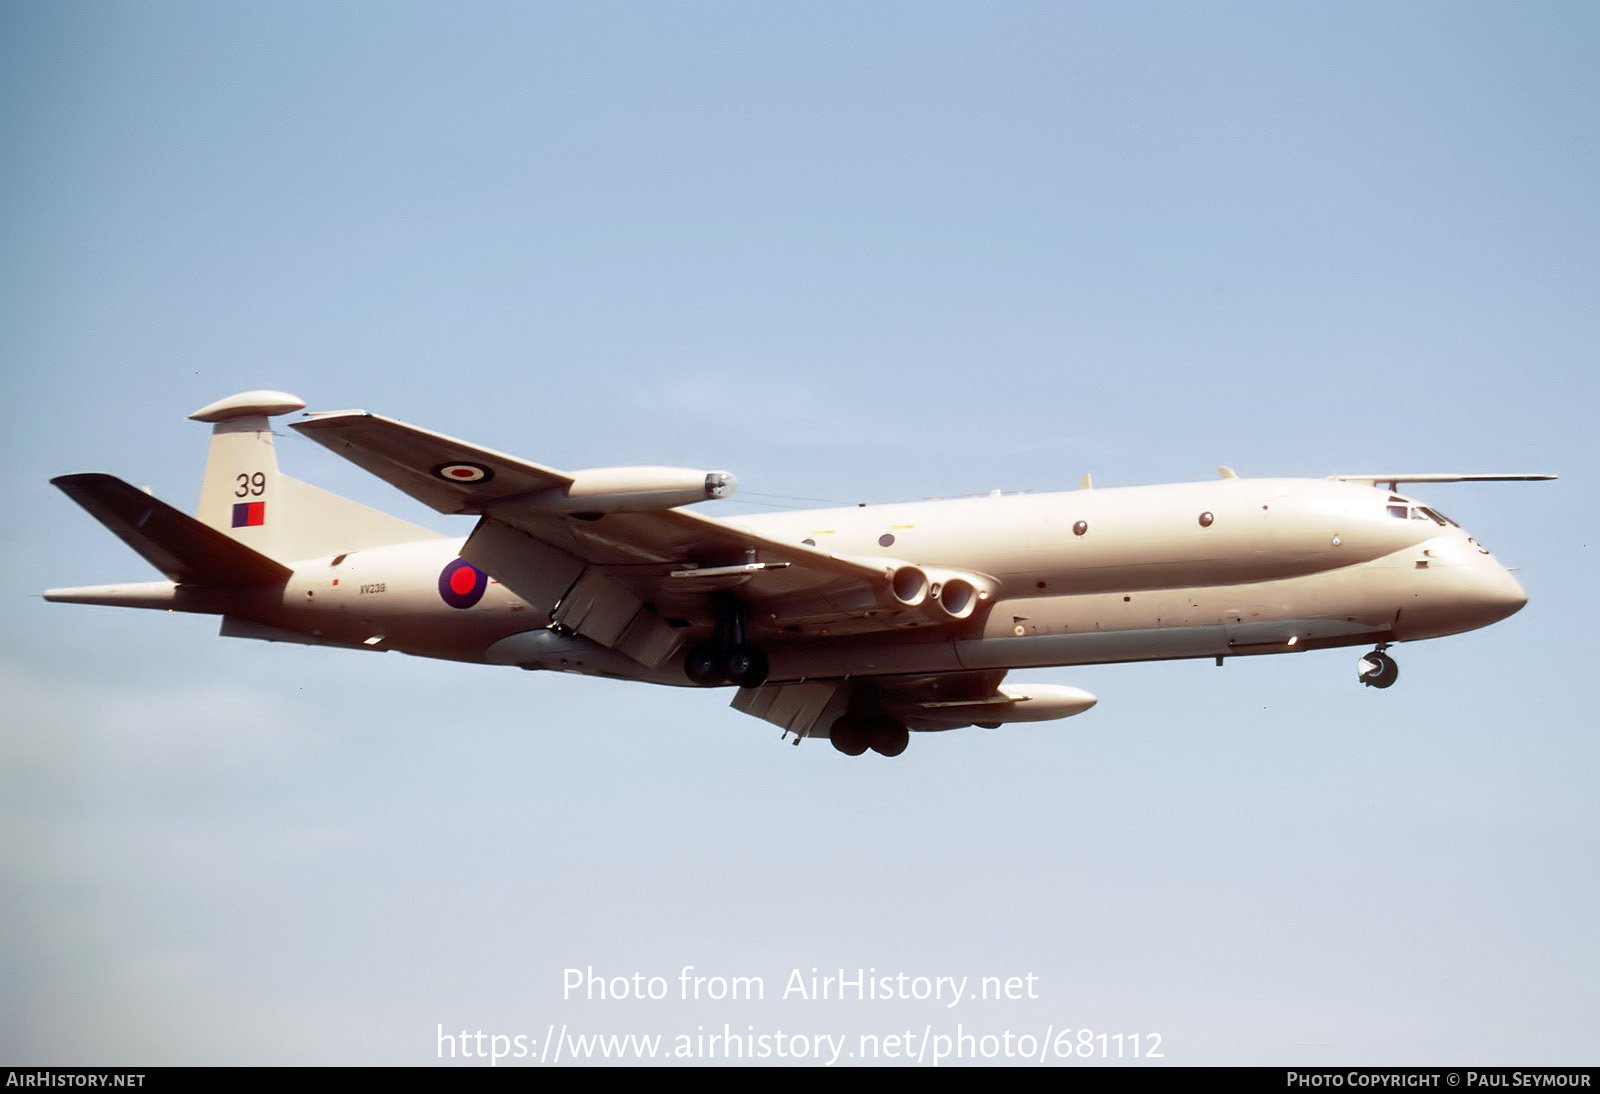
[[1518, 596], [1501, 594]]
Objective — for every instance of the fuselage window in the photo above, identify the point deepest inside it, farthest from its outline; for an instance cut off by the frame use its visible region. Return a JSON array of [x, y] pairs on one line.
[[1398, 511]]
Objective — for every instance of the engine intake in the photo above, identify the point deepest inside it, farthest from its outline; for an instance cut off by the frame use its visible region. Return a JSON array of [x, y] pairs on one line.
[[954, 595], [909, 584]]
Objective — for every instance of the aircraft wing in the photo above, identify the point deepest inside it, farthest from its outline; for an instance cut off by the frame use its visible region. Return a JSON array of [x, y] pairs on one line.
[[1433, 476], [441, 472], [664, 558]]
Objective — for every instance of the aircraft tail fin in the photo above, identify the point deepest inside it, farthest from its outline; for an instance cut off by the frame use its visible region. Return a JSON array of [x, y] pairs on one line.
[[187, 551], [245, 497]]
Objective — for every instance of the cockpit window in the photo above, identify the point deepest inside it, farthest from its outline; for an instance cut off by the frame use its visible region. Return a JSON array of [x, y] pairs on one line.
[[1419, 512]]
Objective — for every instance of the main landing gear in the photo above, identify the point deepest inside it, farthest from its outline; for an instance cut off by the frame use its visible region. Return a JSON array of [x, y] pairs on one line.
[[883, 735], [865, 725], [728, 657], [1377, 669]]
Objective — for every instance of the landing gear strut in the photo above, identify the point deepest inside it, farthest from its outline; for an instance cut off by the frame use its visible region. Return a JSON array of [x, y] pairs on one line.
[[1377, 669], [728, 657]]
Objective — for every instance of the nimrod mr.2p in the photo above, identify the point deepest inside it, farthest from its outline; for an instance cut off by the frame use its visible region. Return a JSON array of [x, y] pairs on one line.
[[857, 625]]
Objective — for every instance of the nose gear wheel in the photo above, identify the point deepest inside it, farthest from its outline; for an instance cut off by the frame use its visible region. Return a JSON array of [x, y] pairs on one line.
[[1377, 670]]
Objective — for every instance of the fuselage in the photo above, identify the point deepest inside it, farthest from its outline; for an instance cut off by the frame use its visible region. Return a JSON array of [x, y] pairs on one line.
[[1209, 569], [859, 625]]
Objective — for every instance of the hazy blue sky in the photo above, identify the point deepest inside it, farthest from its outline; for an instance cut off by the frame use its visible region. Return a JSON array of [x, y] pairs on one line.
[[854, 252]]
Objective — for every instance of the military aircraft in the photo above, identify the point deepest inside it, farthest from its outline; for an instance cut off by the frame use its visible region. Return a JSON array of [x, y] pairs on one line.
[[857, 625]]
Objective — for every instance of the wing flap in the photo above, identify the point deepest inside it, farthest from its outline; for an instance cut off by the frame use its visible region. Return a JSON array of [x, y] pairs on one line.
[[805, 709]]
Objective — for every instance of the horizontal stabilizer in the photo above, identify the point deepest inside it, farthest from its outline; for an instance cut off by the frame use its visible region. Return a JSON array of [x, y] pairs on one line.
[[187, 551]]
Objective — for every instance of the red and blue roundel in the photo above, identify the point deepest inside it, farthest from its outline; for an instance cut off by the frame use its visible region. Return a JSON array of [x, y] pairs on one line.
[[462, 584], [468, 474]]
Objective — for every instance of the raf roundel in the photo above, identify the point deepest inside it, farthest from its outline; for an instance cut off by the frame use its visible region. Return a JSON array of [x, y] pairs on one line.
[[461, 584], [467, 474]]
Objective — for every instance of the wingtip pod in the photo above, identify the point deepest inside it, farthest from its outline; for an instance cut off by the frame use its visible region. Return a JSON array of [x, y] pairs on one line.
[[1007, 704], [1047, 702], [260, 402], [633, 490]]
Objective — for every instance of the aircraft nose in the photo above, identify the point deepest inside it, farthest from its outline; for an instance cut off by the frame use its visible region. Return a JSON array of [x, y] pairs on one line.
[[1472, 591], [1498, 594]]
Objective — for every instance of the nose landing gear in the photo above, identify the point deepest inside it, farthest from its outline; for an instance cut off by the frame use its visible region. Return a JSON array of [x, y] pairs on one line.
[[1377, 669]]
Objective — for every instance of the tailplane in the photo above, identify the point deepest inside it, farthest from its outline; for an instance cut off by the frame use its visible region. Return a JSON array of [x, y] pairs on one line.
[[247, 498], [187, 551]]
